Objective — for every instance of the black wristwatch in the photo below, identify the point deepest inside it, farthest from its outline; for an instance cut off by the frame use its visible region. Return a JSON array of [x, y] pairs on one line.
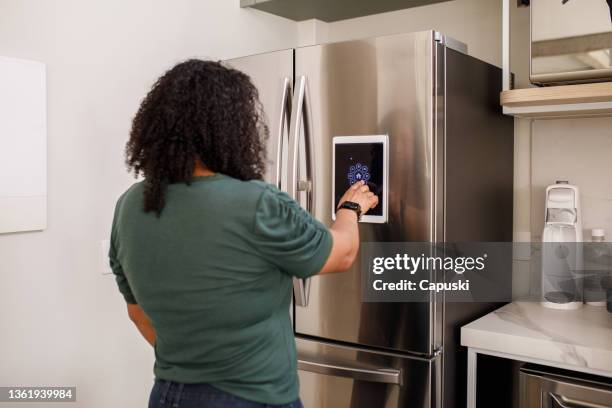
[[350, 205]]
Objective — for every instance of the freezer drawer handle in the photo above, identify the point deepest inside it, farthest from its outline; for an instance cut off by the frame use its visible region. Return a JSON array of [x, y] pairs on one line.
[[379, 375], [300, 119], [565, 402]]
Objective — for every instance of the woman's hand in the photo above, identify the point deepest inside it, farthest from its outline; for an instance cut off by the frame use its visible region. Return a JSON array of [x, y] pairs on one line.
[[142, 322], [360, 193], [345, 232]]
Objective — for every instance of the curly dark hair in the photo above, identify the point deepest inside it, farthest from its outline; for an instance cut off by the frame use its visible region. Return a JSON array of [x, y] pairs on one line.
[[198, 110]]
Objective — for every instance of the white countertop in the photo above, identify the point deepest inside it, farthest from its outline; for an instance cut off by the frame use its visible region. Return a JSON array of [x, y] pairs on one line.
[[579, 338]]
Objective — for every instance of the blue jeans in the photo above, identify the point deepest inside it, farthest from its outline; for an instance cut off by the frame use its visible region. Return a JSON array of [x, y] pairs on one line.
[[169, 394]]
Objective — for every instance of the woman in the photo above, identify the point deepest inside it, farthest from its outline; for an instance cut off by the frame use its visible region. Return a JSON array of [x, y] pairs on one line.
[[204, 252]]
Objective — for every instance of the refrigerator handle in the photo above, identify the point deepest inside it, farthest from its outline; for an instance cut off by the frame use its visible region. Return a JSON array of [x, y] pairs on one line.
[[285, 118], [377, 375], [300, 119]]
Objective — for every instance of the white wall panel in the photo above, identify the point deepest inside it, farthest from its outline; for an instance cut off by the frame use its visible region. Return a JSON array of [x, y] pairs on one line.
[[23, 145]]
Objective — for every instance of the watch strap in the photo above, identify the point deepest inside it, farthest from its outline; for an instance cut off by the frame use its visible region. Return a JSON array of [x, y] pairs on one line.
[[350, 205]]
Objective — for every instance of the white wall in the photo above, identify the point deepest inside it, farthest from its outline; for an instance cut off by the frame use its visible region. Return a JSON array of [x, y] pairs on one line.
[[63, 323], [579, 151], [23, 131]]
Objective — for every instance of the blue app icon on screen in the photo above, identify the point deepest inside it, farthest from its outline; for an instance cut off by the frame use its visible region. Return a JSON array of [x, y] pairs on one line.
[[358, 172]]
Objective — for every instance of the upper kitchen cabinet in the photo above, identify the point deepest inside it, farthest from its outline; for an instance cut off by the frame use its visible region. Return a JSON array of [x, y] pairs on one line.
[[329, 11], [570, 64]]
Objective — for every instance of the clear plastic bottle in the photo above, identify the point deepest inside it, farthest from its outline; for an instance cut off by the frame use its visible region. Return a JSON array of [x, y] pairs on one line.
[[597, 269]]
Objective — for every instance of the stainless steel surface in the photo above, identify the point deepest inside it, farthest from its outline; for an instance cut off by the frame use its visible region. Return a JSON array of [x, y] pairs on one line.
[[571, 41], [451, 43], [437, 311], [362, 381], [350, 370], [560, 401], [478, 200], [542, 387], [367, 87], [272, 74]]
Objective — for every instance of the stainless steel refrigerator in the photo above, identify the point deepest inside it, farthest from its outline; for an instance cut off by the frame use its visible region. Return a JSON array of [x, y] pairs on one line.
[[450, 178]]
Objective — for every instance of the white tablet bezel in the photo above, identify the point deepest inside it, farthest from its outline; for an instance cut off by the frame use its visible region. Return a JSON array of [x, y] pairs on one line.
[[384, 139]]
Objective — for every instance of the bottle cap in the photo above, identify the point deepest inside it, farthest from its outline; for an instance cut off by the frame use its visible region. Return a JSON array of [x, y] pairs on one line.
[[598, 232]]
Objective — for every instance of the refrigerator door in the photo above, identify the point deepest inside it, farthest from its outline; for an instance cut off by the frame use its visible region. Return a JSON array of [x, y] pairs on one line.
[[376, 86], [345, 377], [272, 74]]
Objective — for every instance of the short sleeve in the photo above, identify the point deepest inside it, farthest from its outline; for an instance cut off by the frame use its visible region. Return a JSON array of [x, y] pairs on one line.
[[288, 236], [122, 282]]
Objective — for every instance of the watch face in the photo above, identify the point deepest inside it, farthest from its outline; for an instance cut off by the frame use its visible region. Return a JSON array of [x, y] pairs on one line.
[[351, 205]]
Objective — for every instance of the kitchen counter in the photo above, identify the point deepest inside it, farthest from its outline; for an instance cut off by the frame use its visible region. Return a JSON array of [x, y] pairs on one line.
[[579, 340]]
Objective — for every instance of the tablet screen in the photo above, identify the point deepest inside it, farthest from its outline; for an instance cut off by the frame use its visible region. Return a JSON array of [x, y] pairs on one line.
[[360, 161]]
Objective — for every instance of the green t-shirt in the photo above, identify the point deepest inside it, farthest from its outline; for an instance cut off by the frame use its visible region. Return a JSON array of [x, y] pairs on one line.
[[213, 274]]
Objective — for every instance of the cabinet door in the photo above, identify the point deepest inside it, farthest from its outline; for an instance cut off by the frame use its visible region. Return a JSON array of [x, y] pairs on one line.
[[541, 389]]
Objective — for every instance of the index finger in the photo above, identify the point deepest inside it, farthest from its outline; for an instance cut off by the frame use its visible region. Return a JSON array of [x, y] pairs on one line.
[[357, 185]]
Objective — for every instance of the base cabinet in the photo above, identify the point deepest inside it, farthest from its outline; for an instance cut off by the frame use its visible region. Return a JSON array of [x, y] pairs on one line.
[[543, 387]]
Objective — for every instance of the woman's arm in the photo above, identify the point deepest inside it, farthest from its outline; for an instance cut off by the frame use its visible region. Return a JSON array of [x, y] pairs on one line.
[[344, 231], [142, 322]]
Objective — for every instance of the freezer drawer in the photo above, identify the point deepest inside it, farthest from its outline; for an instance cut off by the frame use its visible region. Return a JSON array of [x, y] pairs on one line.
[[333, 376], [548, 388]]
